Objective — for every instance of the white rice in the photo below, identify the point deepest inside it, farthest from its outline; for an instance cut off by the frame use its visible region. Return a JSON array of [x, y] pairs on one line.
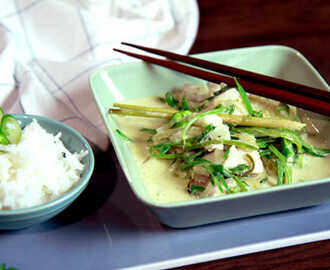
[[37, 169]]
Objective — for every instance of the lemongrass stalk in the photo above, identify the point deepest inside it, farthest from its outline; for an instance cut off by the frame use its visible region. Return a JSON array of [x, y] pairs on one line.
[[241, 120], [138, 114], [246, 120], [144, 108]]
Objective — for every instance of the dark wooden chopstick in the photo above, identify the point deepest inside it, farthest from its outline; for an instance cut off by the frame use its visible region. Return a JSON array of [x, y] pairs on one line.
[[238, 73], [311, 103]]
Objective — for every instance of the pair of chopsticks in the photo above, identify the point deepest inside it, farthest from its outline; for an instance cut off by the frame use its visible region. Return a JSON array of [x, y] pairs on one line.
[[299, 95]]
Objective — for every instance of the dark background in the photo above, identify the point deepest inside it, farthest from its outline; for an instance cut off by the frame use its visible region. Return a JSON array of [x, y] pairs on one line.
[[301, 24]]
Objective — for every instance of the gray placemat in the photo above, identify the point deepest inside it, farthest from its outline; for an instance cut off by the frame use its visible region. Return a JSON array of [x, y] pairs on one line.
[[108, 228]]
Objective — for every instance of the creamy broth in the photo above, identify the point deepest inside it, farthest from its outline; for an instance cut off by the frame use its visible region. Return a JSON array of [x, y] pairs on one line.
[[164, 186]]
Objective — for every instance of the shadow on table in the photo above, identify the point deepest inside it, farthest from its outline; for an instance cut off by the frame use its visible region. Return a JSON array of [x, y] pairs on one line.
[[100, 187]]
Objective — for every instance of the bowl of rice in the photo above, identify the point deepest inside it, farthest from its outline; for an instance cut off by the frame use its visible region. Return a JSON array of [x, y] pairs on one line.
[[43, 173]]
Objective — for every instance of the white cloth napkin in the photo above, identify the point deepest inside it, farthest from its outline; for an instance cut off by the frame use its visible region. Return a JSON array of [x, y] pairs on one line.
[[48, 48]]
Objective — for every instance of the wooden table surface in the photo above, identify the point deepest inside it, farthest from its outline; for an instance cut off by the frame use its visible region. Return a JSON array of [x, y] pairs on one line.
[[301, 24]]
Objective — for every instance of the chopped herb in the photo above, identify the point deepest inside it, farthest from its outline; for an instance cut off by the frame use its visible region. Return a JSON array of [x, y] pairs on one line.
[[180, 124], [226, 154], [1, 113], [246, 101], [280, 172], [195, 162], [284, 110], [197, 117], [244, 97], [257, 114], [151, 131], [240, 169], [242, 184], [123, 136], [288, 174], [265, 153], [288, 150], [3, 267], [162, 150], [184, 104], [196, 189], [226, 109], [3, 138], [178, 116], [170, 99], [312, 150], [217, 93], [263, 180], [265, 141], [10, 129], [219, 174], [231, 109], [277, 153], [216, 172], [162, 100], [178, 119], [290, 135], [205, 132]]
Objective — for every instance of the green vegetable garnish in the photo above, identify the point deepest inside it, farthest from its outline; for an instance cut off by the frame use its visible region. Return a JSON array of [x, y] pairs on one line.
[[205, 132], [194, 189], [264, 142], [280, 172], [3, 138], [195, 162], [196, 118], [216, 172], [312, 150], [219, 174], [290, 135], [151, 131], [185, 104], [161, 151], [162, 100], [277, 153], [244, 97], [288, 174], [1, 113], [11, 128], [240, 169], [178, 119], [288, 150], [231, 109], [258, 114], [123, 136], [242, 184], [284, 110], [226, 154], [170, 99], [265, 153], [246, 101], [3, 267]]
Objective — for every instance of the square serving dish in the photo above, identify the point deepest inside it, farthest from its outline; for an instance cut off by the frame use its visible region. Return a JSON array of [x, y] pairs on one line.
[[134, 80]]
